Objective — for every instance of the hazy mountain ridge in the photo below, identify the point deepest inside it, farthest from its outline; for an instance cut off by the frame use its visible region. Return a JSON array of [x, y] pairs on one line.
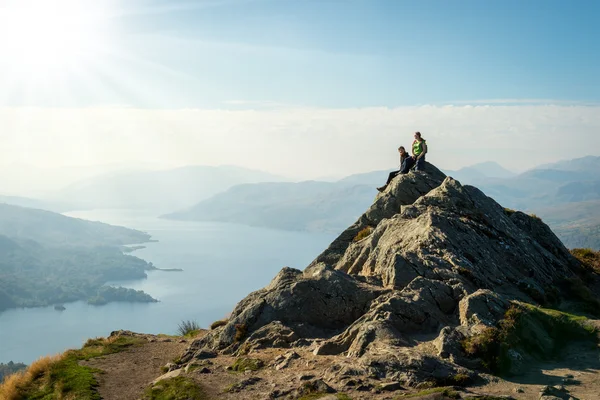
[[54, 229], [306, 205], [160, 190], [324, 205]]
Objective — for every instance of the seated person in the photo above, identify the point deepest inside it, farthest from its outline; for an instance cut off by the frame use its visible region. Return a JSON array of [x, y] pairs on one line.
[[406, 163]]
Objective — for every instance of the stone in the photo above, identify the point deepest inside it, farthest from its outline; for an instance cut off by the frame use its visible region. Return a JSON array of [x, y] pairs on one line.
[[442, 261], [168, 375]]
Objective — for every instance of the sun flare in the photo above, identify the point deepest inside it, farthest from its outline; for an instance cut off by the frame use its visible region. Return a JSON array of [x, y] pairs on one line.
[[44, 38]]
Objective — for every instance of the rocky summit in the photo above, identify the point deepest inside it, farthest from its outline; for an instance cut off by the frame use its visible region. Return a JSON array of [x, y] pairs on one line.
[[400, 297]]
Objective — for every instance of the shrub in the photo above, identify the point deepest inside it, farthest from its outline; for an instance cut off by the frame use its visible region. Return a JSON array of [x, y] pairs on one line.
[[216, 324], [188, 328], [363, 233]]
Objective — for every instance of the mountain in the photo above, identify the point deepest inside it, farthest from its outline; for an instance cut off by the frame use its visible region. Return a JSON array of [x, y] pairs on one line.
[[35, 203], [576, 224], [583, 164], [54, 229], [433, 285], [48, 258], [162, 190], [327, 206], [435, 292], [488, 169], [295, 206]]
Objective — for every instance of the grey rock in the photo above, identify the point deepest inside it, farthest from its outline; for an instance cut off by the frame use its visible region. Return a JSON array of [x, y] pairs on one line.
[[168, 375], [443, 261]]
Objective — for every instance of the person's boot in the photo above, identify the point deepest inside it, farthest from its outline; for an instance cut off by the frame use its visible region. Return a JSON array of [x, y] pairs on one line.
[[382, 188]]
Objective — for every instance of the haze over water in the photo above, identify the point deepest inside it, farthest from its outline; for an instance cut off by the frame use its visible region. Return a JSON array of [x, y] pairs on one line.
[[222, 263]]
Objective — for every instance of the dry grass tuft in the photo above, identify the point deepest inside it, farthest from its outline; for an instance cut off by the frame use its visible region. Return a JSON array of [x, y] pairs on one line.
[[13, 385], [363, 233]]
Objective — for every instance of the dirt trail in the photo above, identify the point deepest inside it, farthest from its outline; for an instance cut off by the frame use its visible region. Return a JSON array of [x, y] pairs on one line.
[[127, 374]]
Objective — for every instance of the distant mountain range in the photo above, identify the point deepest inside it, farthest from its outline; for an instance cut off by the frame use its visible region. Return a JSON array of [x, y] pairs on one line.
[[52, 229], [553, 191], [313, 206], [160, 191]]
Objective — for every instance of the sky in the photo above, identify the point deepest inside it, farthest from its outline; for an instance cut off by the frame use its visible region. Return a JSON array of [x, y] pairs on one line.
[[301, 88]]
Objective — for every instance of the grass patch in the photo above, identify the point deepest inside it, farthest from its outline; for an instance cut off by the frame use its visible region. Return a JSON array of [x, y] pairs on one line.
[[247, 364], [509, 211], [448, 392], [218, 323], [540, 332], [363, 233], [589, 258], [535, 217], [188, 328], [179, 388], [61, 376]]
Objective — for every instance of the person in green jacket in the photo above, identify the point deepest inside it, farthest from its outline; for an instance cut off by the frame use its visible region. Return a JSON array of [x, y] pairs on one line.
[[419, 149]]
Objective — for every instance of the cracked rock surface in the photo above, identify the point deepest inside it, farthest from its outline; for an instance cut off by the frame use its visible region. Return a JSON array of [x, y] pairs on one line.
[[441, 262]]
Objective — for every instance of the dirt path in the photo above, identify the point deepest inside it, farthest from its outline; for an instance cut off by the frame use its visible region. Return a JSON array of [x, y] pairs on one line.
[[125, 375]]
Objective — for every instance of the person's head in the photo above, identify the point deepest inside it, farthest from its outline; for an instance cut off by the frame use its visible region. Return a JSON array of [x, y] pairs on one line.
[[418, 136], [401, 150]]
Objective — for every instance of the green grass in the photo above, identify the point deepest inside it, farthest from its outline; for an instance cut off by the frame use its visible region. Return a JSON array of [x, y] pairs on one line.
[[65, 378], [247, 364], [188, 328], [448, 392], [363, 233], [179, 388], [540, 332]]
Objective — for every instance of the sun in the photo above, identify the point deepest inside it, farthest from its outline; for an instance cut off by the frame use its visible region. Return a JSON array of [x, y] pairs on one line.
[[44, 38]]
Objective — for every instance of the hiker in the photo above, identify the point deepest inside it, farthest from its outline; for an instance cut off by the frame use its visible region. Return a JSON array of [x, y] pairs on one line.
[[406, 163], [419, 149]]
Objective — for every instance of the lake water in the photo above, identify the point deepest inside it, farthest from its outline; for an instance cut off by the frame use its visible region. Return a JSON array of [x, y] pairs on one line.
[[222, 263]]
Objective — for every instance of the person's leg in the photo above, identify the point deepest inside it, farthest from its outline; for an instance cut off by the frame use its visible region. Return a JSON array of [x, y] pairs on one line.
[[391, 176], [420, 164]]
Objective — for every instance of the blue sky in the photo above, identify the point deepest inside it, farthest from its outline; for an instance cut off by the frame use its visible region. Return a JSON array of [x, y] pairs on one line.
[[303, 88], [333, 53]]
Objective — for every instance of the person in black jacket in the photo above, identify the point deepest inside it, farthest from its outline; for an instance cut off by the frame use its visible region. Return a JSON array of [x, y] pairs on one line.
[[406, 163]]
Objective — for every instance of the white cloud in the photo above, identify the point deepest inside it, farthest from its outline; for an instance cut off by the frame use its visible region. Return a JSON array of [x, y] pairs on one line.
[[299, 142]]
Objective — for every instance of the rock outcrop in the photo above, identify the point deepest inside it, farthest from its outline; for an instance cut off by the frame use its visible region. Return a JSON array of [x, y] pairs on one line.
[[438, 263]]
